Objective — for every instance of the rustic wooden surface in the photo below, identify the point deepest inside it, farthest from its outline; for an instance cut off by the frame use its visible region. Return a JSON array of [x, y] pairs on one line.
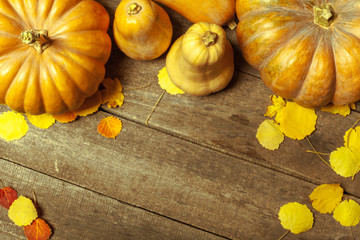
[[196, 171]]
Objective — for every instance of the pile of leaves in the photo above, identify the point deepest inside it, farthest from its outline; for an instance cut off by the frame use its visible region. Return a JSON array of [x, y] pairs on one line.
[[14, 126], [23, 213]]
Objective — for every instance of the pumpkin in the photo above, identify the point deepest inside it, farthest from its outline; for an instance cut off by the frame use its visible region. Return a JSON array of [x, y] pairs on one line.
[[308, 51], [201, 61], [142, 29], [220, 12], [52, 53]]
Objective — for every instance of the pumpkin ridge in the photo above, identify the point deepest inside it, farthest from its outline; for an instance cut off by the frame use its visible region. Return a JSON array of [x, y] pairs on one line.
[[75, 84], [302, 86], [45, 68], [14, 83], [22, 20], [71, 61], [63, 15], [13, 19], [296, 34]]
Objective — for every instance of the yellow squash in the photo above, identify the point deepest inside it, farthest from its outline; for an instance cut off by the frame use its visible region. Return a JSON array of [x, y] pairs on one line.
[[142, 29], [213, 11], [52, 53], [201, 61]]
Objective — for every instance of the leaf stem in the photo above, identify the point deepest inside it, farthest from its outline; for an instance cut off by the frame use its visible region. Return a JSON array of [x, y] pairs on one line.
[[284, 235], [140, 87], [2, 184], [327, 154], [152, 110], [352, 233], [317, 153]]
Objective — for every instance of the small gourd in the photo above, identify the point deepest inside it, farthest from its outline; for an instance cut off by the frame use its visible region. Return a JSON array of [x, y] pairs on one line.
[[201, 61], [142, 29]]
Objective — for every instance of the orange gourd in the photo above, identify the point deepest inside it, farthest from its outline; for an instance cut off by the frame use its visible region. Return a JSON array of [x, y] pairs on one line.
[[201, 61], [142, 29], [52, 53], [220, 12], [305, 50]]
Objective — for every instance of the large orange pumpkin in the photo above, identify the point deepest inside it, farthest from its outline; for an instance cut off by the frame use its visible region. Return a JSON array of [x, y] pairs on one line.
[[305, 50], [52, 53]]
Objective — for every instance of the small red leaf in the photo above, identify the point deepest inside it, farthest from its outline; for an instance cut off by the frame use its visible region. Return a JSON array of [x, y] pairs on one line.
[[37, 230], [7, 196]]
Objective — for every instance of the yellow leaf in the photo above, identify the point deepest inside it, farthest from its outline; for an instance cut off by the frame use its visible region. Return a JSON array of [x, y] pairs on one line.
[[343, 110], [347, 213], [326, 197], [42, 121], [352, 139], [269, 135], [166, 84], [275, 109], [110, 127], [13, 126], [345, 162], [353, 106], [297, 122], [296, 217], [112, 94], [65, 117], [22, 211], [90, 105]]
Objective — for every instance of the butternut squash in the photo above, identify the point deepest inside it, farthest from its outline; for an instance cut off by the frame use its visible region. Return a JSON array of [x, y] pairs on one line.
[[201, 61], [142, 29], [220, 12]]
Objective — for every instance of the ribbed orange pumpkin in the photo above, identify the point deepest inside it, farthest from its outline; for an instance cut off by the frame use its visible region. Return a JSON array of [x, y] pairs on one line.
[[52, 53], [305, 50]]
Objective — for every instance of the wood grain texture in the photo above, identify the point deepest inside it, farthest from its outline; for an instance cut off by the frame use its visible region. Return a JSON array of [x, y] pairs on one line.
[[197, 165], [172, 177], [227, 121], [77, 213]]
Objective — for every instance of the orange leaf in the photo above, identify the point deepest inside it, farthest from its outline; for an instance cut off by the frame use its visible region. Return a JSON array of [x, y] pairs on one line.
[[90, 105], [110, 127], [7, 196], [37, 230], [65, 117], [112, 92]]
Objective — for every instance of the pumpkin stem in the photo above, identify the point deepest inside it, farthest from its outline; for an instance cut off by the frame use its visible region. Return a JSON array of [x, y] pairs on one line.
[[209, 38], [134, 9], [324, 15], [37, 39]]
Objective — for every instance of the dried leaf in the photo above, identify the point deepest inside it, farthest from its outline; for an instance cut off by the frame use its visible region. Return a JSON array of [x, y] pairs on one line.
[[112, 94], [166, 84], [22, 211], [42, 121], [296, 217], [343, 110], [66, 117], [297, 122], [110, 127], [89, 106], [345, 161], [275, 109], [347, 213], [326, 197], [7, 197], [37, 230], [13, 126], [269, 135]]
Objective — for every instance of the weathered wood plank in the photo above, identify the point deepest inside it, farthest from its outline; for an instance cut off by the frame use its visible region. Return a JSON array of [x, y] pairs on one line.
[[77, 213], [169, 176], [226, 121]]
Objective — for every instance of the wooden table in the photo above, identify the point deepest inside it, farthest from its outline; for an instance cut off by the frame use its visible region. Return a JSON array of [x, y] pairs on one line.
[[196, 171]]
